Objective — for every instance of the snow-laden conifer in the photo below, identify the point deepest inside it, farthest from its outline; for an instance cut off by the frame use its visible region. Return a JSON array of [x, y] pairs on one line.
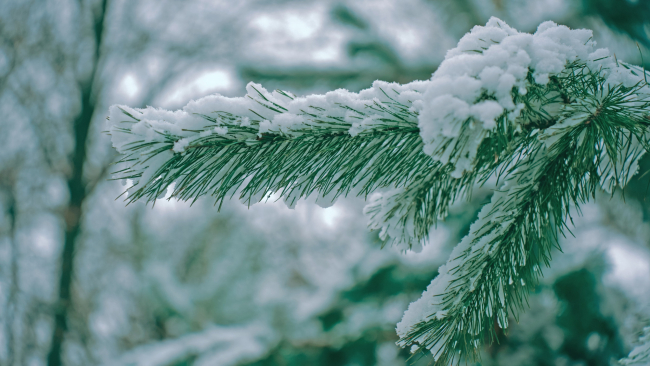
[[548, 115]]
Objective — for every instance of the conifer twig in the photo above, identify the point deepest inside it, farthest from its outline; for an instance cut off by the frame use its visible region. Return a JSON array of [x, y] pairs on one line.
[[547, 116]]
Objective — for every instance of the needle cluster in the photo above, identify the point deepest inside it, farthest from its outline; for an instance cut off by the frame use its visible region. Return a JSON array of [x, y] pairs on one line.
[[547, 117]]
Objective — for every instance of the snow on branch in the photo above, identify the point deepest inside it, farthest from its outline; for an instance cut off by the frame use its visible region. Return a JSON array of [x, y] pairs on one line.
[[272, 142], [548, 114], [640, 355]]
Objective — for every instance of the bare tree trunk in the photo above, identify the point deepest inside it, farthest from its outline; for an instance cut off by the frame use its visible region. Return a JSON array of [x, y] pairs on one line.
[[78, 194], [10, 310]]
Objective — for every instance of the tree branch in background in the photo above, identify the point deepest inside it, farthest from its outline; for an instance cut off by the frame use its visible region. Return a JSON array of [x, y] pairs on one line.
[[78, 193], [12, 298]]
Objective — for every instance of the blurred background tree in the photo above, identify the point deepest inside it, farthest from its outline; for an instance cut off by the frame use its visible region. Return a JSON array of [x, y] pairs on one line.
[[87, 281]]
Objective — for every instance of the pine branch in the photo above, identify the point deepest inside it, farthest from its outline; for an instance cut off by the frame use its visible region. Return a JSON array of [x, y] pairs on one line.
[[491, 271], [405, 215], [550, 117], [245, 159]]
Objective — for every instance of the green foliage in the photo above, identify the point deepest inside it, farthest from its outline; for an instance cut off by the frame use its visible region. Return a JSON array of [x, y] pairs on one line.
[[571, 321], [581, 318], [325, 159], [501, 258], [574, 135]]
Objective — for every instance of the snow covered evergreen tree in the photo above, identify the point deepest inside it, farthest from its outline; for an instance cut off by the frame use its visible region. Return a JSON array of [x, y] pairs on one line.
[[547, 118]]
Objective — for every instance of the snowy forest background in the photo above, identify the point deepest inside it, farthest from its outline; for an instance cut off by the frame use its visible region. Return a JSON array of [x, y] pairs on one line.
[[88, 281]]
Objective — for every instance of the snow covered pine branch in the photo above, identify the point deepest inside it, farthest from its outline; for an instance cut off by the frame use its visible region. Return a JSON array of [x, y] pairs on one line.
[[548, 114]]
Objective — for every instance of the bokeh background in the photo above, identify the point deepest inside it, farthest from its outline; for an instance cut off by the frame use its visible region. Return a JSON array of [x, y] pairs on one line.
[[86, 280]]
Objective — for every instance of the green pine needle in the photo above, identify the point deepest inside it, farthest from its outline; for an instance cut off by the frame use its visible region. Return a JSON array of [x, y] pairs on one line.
[[574, 135]]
